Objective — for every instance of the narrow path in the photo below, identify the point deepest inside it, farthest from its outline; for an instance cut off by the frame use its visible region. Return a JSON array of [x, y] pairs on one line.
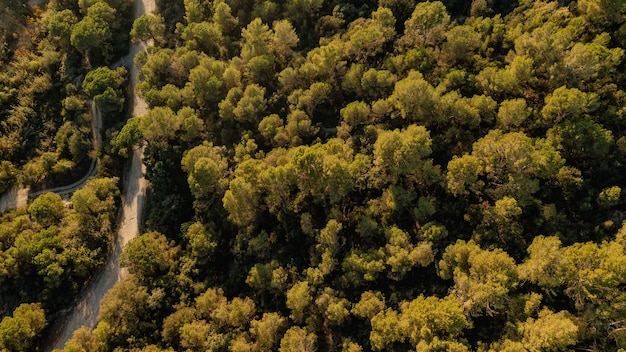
[[85, 313], [19, 197], [16, 197]]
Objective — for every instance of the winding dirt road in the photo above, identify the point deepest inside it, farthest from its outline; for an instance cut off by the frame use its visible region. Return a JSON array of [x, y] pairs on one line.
[[19, 196], [85, 313]]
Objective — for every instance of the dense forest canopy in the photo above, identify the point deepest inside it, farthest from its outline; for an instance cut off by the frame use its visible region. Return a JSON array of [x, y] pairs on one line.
[[50, 249], [383, 175]]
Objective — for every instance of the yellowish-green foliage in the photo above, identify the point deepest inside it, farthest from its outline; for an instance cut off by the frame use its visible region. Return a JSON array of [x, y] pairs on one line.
[[388, 175]]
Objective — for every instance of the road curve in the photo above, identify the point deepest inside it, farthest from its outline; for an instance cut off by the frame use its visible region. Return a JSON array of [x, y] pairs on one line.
[[85, 313], [66, 191], [19, 197]]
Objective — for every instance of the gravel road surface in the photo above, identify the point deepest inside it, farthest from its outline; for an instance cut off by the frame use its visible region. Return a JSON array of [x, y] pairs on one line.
[[85, 313]]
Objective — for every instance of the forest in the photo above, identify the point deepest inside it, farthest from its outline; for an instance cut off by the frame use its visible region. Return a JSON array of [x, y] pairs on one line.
[[391, 175]]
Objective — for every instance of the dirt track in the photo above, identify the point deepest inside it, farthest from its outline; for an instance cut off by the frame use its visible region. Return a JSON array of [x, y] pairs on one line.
[[19, 197], [86, 311], [16, 197]]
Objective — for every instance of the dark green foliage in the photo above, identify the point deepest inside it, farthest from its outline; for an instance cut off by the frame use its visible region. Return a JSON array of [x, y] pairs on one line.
[[105, 87], [392, 175], [47, 209], [46, 133], [148, 256], [48, 252]]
